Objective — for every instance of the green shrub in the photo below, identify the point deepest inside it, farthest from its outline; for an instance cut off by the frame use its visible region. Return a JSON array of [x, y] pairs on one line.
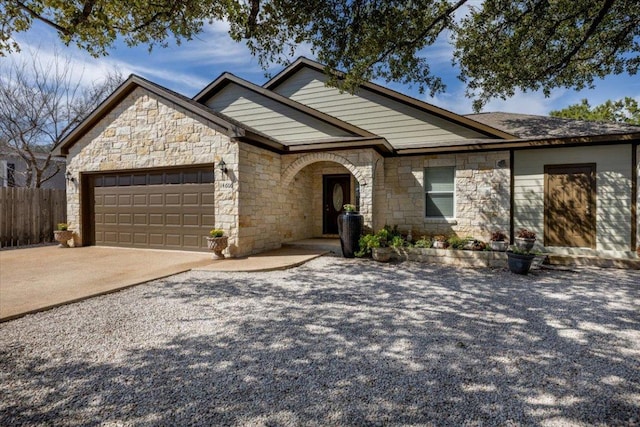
[[366, 243], [398, 242], [216, 232], [456, 242], [383, 238], [423, 242]]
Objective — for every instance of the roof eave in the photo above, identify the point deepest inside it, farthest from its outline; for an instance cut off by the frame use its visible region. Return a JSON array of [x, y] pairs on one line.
[[524, 143], [380, 144]]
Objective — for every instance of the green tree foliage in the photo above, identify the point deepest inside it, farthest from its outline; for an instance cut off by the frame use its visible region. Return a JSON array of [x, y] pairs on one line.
[[499, 45], [625, 110]]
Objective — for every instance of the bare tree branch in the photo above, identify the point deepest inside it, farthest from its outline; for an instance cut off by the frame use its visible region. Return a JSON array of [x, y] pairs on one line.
[[40, 103]]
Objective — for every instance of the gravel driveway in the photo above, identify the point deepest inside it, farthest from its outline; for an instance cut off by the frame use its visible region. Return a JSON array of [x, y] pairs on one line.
[[334, 342]]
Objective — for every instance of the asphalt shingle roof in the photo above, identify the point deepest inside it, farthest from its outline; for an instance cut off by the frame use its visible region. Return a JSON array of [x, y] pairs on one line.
[[531, 126]]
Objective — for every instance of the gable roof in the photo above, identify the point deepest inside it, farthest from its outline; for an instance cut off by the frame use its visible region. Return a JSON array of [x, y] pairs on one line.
[[227, 78], [466, 122], [222, 123], [542, 127], [259, 99]]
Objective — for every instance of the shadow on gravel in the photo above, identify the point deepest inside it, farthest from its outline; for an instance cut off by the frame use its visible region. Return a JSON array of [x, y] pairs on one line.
[[350, 343]]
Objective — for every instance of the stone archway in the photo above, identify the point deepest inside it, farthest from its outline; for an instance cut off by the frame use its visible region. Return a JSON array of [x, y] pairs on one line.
[[291, 171], [355, 162]]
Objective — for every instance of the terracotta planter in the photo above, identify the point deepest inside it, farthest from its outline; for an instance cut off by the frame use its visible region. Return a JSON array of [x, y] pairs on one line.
[[63, 237], [381, 254], [498, 245], [217, 245], [525, 244], [350, 230], [519, 263]]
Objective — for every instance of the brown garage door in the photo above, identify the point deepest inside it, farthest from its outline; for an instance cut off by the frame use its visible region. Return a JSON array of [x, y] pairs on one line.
[[169, 209]]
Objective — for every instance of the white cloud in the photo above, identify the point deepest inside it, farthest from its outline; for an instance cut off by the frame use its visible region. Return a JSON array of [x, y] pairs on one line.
[[213, 46], [526, 103], [521, 102]]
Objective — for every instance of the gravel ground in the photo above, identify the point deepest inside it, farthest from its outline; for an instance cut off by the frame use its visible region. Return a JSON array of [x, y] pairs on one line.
[[334, 342]]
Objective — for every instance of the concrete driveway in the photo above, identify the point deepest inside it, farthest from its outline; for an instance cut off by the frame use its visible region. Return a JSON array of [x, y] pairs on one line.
[[37, 278]]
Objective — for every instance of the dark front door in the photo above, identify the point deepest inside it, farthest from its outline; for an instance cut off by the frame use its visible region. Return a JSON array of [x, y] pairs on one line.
[[570, 205], [336, 190]]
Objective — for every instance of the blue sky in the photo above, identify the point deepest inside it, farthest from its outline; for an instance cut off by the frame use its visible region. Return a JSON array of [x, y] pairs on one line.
[[191, 66]]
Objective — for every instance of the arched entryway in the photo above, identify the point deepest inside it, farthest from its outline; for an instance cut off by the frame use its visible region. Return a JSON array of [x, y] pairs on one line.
[[317, 186]]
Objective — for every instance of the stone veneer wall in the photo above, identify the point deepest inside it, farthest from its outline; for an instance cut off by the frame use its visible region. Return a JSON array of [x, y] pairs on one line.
[[296, 222], [144, 131], [260, 200], [359, 163], [380, 193], [482, 194]]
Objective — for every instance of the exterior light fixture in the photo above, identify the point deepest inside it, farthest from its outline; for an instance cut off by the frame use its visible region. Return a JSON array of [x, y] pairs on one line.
[[222, 166]]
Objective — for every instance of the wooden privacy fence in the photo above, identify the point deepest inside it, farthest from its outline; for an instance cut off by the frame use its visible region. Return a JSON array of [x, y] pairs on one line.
[[29, 215]]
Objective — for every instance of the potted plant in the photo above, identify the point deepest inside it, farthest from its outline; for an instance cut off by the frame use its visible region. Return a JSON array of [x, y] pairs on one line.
[[217, 242], [498, 241], [519, 261], [63, 234], [477, 245], [350, 229], [377, 245], [439, 242], [525, 239], [382, 252]]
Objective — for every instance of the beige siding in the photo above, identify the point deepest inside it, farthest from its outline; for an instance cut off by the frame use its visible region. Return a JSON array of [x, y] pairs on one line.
[[403, 126], [270, 117], [613, 197]]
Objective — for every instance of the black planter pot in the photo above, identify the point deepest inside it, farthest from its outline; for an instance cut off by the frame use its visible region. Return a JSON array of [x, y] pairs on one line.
[[350, 230], [519, 263]]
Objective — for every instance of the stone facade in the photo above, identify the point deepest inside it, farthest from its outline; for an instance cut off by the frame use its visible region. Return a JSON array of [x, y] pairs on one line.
[[360, 163], [458, 258], [482, 195], [144, 131], [259, 197]]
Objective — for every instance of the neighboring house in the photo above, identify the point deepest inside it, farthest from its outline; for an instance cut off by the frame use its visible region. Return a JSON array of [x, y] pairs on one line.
[[13, 170], [275, 163]]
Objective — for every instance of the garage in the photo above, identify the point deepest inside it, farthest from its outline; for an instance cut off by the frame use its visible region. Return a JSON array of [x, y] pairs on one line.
[[161, 209]]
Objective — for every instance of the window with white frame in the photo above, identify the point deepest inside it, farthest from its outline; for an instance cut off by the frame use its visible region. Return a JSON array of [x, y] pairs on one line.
[[439, 184]]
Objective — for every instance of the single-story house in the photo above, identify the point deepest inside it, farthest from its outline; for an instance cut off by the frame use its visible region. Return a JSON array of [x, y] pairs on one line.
[[275, 163]]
